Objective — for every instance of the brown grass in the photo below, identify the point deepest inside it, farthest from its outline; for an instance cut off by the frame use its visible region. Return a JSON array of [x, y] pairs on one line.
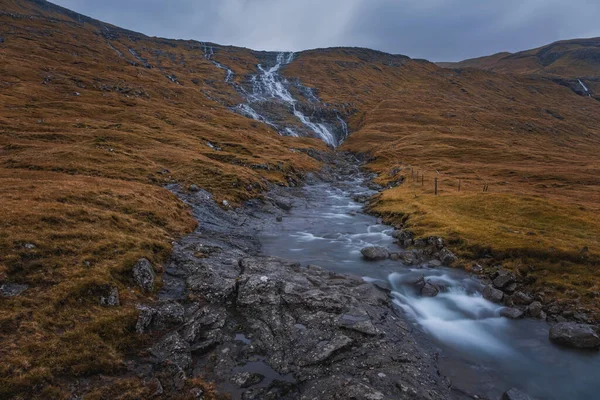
[[87, 143]]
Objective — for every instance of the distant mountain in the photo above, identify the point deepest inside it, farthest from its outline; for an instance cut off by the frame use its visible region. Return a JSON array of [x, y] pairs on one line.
[[574, 60]]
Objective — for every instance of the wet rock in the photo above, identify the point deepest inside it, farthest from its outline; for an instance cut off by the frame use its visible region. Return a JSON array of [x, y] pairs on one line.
[[419, 243], [402, 235], [522, 298], [407, 243], [12, 289], [111, 299], [326, 349], [446, 256], [535, 310], [409, 258], [492, 294], [572, 334], [503, 279], [512, 313], [143, 274], [246, 379], [172, 349], [434, 264], [394, 256], [158, 317], [279, 218], [515, 394], [429, 290], [375, 253]]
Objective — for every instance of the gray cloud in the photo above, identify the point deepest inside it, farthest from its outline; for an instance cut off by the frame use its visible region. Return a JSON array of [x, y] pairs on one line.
[[438, 30]]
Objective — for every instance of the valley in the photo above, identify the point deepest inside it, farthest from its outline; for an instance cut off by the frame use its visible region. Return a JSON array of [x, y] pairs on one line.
[[125, 157]]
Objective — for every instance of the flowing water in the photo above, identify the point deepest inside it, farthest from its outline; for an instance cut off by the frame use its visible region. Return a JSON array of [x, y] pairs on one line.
[[480, 351]]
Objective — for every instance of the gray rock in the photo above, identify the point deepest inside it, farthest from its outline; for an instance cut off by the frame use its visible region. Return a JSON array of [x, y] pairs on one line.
[[492, 294], [434, 264], [402, 235], [172, 349], [197, 393], [394, 256], [12, 289], [572, 334], [112, 297], [512, 313], [504, 279], [194, 188], [160, 316], [429, 290], [446, 256], [375, 253], [476, 268], [535, 309], [279, 218], [143, 274], [515, 394], [522, 298], [326, 349], [510, 288], [246, 379]]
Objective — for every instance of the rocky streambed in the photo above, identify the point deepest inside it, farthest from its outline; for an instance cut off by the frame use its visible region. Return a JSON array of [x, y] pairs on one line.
[[275, 300]]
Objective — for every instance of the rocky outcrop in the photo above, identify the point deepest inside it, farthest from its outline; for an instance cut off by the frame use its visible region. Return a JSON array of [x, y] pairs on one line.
[[143, 274], [237, 314], [576, 335]]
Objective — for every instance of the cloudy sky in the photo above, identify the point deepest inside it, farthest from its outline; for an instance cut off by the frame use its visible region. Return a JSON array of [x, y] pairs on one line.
[[438, 30]]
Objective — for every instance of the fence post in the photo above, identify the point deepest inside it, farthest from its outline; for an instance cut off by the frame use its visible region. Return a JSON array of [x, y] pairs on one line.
[[436, 185]]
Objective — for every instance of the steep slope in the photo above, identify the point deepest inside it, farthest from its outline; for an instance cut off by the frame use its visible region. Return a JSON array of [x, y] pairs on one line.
[[577, 60], [95, 121]]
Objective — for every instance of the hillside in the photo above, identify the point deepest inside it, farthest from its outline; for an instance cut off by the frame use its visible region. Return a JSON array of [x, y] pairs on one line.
[[574, 60], [96, 121]]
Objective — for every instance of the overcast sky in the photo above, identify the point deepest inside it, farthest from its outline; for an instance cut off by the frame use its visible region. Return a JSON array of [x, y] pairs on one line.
[[438, 30]]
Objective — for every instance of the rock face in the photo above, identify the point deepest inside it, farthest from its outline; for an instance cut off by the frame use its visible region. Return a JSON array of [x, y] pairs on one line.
[[240, 314], [576, 335], [492, 294], [143, 274], [375, 253]]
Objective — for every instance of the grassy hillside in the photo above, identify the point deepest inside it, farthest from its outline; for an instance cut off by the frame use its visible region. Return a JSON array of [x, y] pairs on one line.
[[89, 135], [567, 59], [533, 142]]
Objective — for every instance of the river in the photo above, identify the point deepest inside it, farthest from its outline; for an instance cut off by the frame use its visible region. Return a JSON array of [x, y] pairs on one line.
[[479, 351]]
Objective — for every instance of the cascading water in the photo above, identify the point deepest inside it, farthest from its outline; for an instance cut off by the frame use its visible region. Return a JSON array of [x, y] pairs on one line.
[[269, 86]]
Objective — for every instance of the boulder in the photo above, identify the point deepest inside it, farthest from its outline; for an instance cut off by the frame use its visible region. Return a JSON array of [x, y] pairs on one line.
[[446, 256], [375, 253], [504, 279], [429, 290], [572, 334], [512, 313], [143, 274], [522, 299], [492, 294], [194, 188], [402, 235], [535, 309], [515, 394]]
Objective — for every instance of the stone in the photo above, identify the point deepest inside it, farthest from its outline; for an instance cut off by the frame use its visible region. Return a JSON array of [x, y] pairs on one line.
[[446, 256], [279, 218], [429, 290], [512, 313], [196, 393], [375, 253], [246, 379], [172, 349], [576, 335], [510, 288], [160, 316], [434, 264], [194, 188], [535, 310], [504, 279], [476, 269], [522, 298], [515, 394], [492, 294], [12, 289], [394, 256], [112, 297], [143, 274], [402, 235]]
